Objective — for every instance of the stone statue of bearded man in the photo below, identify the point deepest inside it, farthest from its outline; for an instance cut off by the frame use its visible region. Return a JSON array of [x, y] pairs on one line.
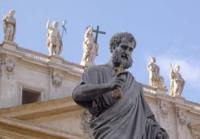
[[124, 117]]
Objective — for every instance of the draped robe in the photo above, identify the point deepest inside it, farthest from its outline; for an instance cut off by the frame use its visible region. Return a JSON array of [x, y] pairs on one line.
[[127, 118]]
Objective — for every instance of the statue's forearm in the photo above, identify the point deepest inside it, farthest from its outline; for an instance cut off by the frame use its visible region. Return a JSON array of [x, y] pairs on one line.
[[87, 92]]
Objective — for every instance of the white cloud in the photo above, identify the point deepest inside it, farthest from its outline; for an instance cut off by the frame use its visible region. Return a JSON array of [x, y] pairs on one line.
[[189, 69]]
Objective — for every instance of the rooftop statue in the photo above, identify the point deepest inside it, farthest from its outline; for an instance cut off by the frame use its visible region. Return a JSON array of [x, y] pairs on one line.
[[90, 48], [9, 26], [177, 82], [114, 99], [54, 40], [155, 79]]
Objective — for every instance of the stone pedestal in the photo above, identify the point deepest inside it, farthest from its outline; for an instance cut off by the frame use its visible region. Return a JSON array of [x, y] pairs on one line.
[[9, 45], [161, 90], [179, 99], [56, 59]]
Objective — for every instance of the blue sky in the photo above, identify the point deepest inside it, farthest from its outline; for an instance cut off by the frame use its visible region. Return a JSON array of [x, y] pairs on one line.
[[166, 29]]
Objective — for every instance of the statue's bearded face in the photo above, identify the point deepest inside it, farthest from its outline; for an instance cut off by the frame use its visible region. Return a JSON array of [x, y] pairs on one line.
[[11, 12], [177, 68], [122, 55]]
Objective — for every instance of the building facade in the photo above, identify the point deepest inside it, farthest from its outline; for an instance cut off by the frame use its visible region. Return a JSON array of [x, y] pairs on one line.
[[35, 99]]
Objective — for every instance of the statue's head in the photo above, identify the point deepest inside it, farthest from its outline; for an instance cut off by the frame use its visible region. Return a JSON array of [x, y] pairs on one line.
[[89, 31], [55, 24], [121, 47], [177, 68], [153, 60], [11, 12]]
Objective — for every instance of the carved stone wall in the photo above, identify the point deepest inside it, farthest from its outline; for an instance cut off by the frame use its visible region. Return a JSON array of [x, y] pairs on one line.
[[20, 69], [55, 78], [181, 118]]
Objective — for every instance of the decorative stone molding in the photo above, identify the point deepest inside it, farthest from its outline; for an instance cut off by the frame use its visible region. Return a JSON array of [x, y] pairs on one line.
[[57, 78], [196, 136], [7, 65], [10, 65], [182, 117], [195, 129], [56, 59], [164, 108]]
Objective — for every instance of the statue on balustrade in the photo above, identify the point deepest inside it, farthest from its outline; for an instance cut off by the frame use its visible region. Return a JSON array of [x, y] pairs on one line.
[[90, 48], [54, 40], [155, 79], [177, 82], [114, 99], [9, 26]]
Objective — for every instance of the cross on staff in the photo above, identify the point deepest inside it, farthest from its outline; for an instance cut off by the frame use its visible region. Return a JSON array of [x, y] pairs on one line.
[[97, 31]]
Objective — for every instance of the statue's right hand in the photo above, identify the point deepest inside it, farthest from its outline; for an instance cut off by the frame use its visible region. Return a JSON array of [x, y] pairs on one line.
[[116, 81], [47, 24]]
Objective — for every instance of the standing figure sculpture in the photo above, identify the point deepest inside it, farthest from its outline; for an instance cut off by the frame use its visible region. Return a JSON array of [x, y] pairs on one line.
[[54, 40], [177, 82], [9, 26], [90, 48], [111, 117], [155, 79]]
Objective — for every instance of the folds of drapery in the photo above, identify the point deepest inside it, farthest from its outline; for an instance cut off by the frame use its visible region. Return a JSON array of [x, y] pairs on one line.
[[127, 118]]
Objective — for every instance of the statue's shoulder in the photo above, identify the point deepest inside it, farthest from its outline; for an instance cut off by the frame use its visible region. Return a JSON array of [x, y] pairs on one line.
[[138, 85]]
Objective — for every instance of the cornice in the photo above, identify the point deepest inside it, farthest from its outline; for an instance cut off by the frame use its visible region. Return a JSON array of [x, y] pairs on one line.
[[40, 59]]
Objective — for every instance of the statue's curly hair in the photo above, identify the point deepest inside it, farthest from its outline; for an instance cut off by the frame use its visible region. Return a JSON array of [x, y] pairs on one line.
[[118, 37]]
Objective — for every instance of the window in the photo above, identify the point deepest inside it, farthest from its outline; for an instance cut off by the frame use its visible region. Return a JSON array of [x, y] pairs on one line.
[[30, 96]]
